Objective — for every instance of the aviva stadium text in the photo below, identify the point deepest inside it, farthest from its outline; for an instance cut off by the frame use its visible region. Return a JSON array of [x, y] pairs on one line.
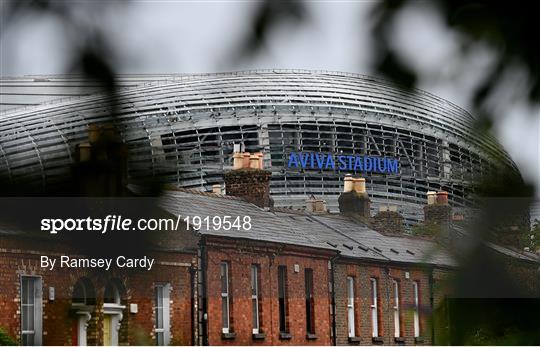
[[342, 162]]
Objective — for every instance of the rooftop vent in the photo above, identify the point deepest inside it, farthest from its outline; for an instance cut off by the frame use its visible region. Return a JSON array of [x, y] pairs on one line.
[[364, 248]]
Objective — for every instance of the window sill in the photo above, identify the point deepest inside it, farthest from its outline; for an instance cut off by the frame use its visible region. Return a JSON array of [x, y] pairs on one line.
[[228, 336], [399, 339], [419, 340], [377, 339], [258, 336], [311, 337], [285, 336], [354, 339]]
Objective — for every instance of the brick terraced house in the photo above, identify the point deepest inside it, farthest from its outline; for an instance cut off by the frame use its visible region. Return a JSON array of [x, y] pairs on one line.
[[286, 277]]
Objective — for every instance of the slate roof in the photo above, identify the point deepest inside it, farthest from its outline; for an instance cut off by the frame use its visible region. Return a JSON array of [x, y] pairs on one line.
[[266, 226], [500, 249], [335, 232], [328, 231], [405, 249]]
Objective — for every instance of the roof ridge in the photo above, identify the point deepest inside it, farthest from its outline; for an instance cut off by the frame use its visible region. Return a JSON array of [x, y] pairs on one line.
[[196, 191]]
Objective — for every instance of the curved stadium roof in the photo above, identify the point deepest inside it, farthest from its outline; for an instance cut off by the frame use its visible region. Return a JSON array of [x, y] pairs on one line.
[[181, 128]]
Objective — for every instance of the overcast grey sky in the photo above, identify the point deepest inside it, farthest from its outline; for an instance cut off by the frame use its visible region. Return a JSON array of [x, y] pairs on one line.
[[178, 37]]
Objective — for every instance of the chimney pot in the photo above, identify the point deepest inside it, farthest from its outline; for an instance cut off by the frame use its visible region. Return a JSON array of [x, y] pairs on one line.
[[348, 183], [442, 198], [431, 197], [247, 156], [85, 152], [236, 148], [359, 185], [260, 159], [254, 161], [238, 161], [93, 133], [216, 189]]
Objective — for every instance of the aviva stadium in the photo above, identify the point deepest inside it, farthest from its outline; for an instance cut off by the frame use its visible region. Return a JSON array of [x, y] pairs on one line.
[[312, 127]]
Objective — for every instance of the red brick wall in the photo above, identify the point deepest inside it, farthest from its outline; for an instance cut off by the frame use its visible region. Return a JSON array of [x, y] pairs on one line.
[[16, 259], [240, 260], [362, 272]]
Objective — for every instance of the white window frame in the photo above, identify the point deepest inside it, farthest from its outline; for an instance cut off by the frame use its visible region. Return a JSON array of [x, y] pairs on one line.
[[350, 307], [255, 297], [165, 289], [225, 325], [397, 327], [374, 309], [37, 298], [416, 311]]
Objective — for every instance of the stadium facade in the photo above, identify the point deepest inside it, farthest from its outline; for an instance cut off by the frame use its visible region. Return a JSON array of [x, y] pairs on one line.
[[181, 129]]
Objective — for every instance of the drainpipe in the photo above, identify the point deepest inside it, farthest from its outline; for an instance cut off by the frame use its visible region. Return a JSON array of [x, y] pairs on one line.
[[203, 293], [194, 295], [431, 303], [270, 264], [333, 284]]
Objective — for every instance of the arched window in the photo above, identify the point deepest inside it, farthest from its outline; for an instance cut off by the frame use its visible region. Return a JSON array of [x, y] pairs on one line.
[[112, 294], [83, 293]]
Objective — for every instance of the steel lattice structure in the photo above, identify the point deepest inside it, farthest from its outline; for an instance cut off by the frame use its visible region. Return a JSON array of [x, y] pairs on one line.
[[181, 129]]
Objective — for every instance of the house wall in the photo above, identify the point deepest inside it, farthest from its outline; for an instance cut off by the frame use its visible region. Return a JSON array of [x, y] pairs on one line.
[[240, 257], [20, 257], [362, 272]]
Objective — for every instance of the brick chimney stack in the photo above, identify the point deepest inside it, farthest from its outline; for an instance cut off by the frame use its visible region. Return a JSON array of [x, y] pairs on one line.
[[388, 220], [315, 205], [437, 211], [101, 163], [354, 200], [248, 179]]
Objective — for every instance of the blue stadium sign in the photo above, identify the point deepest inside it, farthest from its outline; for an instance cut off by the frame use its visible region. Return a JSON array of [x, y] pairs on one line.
[[342, 162]]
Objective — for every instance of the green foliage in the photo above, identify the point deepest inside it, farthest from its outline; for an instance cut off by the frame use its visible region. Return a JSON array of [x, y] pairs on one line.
[[425, 229], [493, 322], [5, 339]]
